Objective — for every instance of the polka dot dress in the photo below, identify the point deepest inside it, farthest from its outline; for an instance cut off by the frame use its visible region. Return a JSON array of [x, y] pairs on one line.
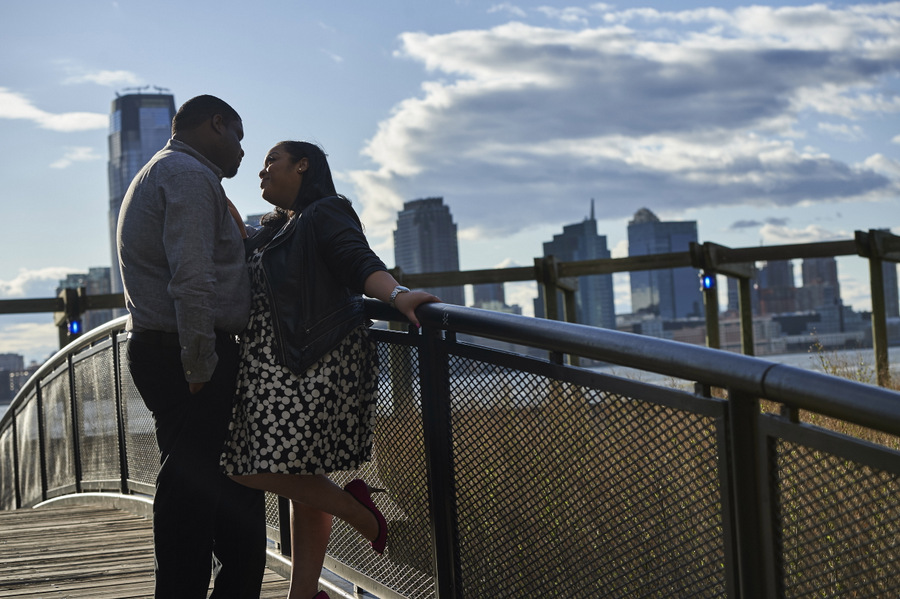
[[316, 423]]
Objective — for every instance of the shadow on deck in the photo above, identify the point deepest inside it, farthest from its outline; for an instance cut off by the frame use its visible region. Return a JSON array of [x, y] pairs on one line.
[[72, 551]]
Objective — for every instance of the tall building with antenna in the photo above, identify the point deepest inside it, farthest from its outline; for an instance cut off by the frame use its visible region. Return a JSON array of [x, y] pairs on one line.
[[595, 299], [140, 124]]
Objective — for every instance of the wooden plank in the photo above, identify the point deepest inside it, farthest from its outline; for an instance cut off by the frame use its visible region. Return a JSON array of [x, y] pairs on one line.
[[83, 551]]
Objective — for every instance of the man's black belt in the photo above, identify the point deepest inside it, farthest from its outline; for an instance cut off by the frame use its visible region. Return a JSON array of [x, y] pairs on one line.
[[166, 339]]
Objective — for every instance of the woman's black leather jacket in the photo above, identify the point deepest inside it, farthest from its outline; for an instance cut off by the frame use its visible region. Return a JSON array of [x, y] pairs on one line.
[[315, 268]]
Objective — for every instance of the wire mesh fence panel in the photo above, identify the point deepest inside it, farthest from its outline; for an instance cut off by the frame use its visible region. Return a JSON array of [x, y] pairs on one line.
[[59, 441], [7, 468], [140, 436], [98, 422], [567, 490], [839, 524], [29, 450], [398, 466]]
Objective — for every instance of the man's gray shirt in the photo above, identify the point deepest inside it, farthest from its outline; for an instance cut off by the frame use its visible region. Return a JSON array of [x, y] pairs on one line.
[[182, 256]]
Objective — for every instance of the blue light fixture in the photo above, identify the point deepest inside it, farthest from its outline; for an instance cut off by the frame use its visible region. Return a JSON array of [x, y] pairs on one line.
[[74, 327]]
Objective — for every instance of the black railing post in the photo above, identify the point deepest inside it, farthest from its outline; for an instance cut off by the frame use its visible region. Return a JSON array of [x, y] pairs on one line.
[[16, 475], [435, 384], [284, 525], [120, 414], [76, 435], [41, 439], [743, 415], [745, 307]]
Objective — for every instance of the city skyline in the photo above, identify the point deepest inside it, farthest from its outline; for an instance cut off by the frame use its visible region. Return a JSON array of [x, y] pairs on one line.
[[770, 124]]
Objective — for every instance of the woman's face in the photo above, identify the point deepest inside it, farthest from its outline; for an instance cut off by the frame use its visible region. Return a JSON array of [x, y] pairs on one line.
[[280, 177]]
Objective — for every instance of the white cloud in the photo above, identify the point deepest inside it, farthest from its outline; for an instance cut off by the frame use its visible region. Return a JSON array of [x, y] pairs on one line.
[[509, 8], [855, 292], [880, 163], [521, 294], [105, 78], [14, 105], [671, 110], [334, 57], [35, 283], [622, 292], [566, 16], [34, 340], [843, 131], [781, 235], [620, 250], [76, 154]]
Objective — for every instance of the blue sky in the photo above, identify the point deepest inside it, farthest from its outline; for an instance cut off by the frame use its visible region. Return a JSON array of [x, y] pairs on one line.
[[770, 123]]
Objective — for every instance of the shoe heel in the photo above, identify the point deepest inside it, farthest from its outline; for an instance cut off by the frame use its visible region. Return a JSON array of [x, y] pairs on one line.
[[363, 494]]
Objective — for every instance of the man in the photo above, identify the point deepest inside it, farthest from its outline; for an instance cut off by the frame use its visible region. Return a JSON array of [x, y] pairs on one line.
[[187, 292]]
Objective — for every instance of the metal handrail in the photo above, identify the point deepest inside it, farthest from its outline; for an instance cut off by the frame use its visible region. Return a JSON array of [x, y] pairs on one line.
[[750, 567], [795, 387]]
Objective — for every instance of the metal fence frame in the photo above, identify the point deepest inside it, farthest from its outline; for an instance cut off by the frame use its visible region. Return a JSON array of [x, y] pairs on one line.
[[52, 422]]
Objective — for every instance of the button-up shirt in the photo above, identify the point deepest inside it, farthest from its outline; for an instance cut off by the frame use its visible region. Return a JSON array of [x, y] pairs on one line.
[[182, 257]]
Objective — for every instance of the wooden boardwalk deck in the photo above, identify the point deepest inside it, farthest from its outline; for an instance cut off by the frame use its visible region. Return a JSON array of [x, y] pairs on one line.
[[83, 551]]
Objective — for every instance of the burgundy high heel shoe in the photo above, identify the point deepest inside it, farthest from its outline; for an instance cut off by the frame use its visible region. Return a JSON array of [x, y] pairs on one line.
[[321, 595], [363, 494]]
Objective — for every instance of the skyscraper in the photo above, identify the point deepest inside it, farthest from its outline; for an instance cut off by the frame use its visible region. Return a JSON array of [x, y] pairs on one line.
[[777, 291], [820, 284], [425, 241], [594, 300], [139, 126], [669, 293], [488, 293]]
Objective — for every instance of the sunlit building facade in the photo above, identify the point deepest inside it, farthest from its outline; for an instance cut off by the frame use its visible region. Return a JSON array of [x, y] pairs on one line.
[[139, 126]]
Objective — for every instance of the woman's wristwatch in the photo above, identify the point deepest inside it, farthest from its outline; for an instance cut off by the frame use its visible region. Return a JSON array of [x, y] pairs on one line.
[[397, 291]]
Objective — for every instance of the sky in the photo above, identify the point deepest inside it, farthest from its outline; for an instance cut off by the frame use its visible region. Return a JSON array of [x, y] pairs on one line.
[[766, 123]]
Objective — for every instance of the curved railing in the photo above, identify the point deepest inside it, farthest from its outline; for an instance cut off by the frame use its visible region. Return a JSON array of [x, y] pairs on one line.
[[517, 475]]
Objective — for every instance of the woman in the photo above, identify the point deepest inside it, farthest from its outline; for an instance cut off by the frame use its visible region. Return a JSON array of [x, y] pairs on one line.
[[306, 391]]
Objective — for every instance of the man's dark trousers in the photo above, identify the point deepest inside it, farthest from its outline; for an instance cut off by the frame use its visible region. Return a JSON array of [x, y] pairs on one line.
[[198, 512]]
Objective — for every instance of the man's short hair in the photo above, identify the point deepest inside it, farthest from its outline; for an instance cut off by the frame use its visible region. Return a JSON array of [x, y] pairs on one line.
[[197, 111]]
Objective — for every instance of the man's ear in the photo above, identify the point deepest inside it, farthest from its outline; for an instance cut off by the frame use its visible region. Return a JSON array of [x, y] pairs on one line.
[[218, 123]]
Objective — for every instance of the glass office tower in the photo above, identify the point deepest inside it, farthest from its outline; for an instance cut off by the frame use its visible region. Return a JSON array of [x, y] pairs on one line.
[[139, 126], [425, 241], [595, 299], [668, 293]]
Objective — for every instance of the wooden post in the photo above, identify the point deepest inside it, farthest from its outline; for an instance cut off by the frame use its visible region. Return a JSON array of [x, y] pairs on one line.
[[879, 321], [745, 306], [876, 245]]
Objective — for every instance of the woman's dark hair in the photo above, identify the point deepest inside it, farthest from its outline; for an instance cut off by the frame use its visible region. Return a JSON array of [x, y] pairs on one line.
[[317, 182], [200, 109]]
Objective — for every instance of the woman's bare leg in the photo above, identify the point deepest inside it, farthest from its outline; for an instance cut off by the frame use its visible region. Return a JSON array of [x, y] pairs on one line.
[[318, 492], [310, 531]]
